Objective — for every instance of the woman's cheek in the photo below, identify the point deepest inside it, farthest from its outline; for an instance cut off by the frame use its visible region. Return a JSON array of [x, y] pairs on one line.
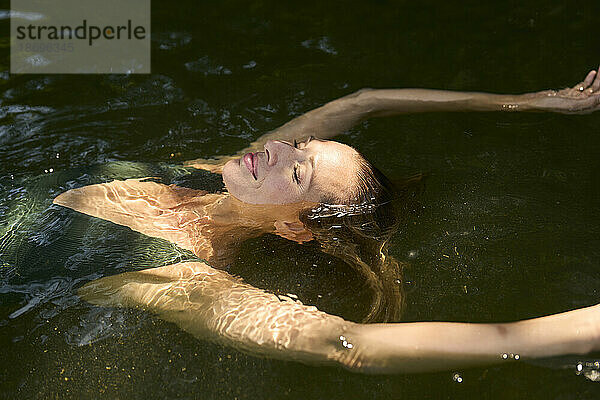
[[282, 192]]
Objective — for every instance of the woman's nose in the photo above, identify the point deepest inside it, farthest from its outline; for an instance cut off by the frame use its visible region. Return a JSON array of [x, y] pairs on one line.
[[277, 150]]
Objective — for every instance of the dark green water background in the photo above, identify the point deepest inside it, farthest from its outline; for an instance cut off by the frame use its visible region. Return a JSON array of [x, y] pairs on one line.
[[509, 227]]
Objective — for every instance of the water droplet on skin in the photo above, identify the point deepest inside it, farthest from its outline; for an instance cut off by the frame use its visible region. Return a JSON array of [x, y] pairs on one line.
[[345, 342]]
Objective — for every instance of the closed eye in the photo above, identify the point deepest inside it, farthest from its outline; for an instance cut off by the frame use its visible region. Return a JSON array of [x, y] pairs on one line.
[[295, 175]]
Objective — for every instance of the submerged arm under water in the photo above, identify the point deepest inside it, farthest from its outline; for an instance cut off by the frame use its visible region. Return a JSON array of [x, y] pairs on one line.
[[172, 213], [211, 304]]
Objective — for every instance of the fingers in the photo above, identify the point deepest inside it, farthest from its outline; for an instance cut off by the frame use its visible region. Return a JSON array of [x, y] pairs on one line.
[[596, 84], [589, 79]]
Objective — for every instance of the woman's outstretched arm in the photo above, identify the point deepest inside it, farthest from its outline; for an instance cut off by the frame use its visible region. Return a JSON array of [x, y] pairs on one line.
[[211, 304], [340, 115], [427, 346]]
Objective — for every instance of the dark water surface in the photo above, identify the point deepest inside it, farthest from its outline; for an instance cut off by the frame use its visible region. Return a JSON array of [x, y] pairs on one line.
[[510, 226]]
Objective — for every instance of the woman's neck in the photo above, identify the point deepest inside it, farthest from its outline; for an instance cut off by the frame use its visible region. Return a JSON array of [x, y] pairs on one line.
[[232, 212]]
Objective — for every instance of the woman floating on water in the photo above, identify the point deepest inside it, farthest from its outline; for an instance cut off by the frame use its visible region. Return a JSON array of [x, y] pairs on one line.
[[324, 191]]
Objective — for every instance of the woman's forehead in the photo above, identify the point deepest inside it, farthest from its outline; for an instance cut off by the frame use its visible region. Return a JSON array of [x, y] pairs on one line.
[[335, 168], [331, 151]]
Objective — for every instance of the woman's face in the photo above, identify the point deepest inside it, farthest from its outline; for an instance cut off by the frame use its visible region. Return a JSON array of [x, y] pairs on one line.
[[283, 173]]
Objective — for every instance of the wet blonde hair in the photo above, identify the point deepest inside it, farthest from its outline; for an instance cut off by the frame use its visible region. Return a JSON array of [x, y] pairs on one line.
[[357, 228]]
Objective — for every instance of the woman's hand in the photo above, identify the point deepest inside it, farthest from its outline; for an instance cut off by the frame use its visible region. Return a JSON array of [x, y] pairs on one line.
[[214, 165], [583, 98]]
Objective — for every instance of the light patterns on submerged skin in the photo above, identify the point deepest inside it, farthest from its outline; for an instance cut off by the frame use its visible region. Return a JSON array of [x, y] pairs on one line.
[[241, 316], [180, 215]]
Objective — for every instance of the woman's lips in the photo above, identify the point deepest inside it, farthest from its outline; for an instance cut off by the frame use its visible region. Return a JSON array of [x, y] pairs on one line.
[[250, 159]]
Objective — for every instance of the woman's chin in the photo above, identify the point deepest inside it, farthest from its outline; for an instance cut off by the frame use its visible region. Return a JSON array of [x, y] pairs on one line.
[[231, 175]]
